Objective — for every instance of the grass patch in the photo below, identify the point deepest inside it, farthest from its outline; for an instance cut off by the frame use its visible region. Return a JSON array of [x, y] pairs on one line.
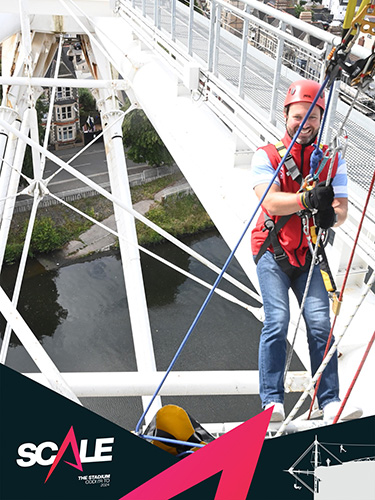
[[147, 191], [178, 215]]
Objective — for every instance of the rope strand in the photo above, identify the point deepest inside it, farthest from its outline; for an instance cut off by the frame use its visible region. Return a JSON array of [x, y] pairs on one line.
[[348, 267], [326, 360]]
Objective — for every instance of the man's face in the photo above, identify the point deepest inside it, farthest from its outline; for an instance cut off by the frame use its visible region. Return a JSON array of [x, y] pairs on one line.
[[296, 114]]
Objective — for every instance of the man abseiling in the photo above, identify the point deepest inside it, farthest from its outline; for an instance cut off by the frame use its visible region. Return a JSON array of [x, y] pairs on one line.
[[282, 253]]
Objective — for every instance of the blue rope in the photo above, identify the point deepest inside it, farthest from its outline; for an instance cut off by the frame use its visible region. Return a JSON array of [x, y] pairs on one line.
[[172, 441], [229, 259], [317, 154], [321, 166], [185, 453]]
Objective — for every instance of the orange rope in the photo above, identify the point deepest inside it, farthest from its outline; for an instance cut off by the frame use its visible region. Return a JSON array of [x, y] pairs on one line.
[[343, 286]]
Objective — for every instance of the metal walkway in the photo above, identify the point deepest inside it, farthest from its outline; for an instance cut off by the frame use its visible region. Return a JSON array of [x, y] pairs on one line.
[[254, 65]]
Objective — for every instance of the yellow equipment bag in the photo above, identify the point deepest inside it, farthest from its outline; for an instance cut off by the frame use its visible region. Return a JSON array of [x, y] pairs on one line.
[[173, 422]]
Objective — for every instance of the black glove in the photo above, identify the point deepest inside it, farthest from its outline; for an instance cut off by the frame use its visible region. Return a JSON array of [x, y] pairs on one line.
[[319, 198], [325, 218]]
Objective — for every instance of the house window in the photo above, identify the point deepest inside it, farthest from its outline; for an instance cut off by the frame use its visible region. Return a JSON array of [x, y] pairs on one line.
[[65, 133], [64, 112], [64, 92]]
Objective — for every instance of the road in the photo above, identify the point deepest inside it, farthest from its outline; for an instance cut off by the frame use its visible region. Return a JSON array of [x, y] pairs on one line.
[[91, 163]]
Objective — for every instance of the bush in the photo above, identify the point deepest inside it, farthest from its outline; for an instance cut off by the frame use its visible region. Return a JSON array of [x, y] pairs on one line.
[[13, 252], [46, 236]]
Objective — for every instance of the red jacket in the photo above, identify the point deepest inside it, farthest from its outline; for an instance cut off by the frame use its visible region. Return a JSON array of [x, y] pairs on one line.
[[291, 236]]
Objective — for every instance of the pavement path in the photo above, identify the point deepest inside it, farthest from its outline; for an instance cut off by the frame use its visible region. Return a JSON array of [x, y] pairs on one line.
[[97, 239]]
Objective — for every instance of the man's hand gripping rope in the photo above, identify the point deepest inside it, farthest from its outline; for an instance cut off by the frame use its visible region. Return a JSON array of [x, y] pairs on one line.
[[319, 197]]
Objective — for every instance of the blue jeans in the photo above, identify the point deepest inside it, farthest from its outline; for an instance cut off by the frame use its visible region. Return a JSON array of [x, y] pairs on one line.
[[274, 286]]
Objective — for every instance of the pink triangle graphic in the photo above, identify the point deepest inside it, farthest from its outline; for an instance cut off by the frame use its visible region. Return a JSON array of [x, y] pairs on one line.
[[70, 438], [235, 454]]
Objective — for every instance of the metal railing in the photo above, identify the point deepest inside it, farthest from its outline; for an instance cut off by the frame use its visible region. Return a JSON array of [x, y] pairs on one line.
[[247, 57], [87, 192], [202, 35]]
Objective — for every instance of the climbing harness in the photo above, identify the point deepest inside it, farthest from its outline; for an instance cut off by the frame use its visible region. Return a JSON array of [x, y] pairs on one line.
[[273, 228], [279, 253], [292, 169], [325, 270]]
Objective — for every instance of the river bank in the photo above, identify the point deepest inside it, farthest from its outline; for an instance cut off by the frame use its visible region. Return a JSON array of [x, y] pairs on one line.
[[168, 202]]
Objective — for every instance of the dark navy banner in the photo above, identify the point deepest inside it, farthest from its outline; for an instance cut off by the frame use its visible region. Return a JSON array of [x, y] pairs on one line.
[[54, 449]]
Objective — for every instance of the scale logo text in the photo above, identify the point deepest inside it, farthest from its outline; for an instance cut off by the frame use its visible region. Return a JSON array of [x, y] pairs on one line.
[[44, 454]]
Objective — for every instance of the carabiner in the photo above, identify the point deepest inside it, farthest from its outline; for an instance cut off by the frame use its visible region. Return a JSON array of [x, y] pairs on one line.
[[308, 183]]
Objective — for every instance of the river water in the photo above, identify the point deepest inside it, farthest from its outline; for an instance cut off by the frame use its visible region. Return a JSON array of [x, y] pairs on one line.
[[79, 313]]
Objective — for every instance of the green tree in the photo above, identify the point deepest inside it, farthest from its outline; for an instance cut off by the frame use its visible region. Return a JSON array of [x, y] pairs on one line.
[[142, 142], [87, 105]]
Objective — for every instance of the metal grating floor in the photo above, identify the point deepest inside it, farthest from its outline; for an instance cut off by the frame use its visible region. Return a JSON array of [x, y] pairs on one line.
[[259, 81]]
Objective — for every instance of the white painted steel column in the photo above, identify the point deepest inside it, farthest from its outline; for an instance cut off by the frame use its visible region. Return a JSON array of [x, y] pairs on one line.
[[131, 263], [12, 187], [130, 256], [190, 28], [211, 37], [8, 115], [8, 144], [173, 20]]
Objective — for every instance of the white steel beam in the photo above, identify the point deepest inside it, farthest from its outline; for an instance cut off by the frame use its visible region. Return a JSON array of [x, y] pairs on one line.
[[55, 8], [50, 375], [125, 222], [66, 82], [14, 179], [8, 115], [130, 257], [298, 425], [6, 167], [178, 383]]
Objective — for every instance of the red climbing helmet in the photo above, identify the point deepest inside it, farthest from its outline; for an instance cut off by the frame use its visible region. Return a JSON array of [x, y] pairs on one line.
[[304, 91]]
